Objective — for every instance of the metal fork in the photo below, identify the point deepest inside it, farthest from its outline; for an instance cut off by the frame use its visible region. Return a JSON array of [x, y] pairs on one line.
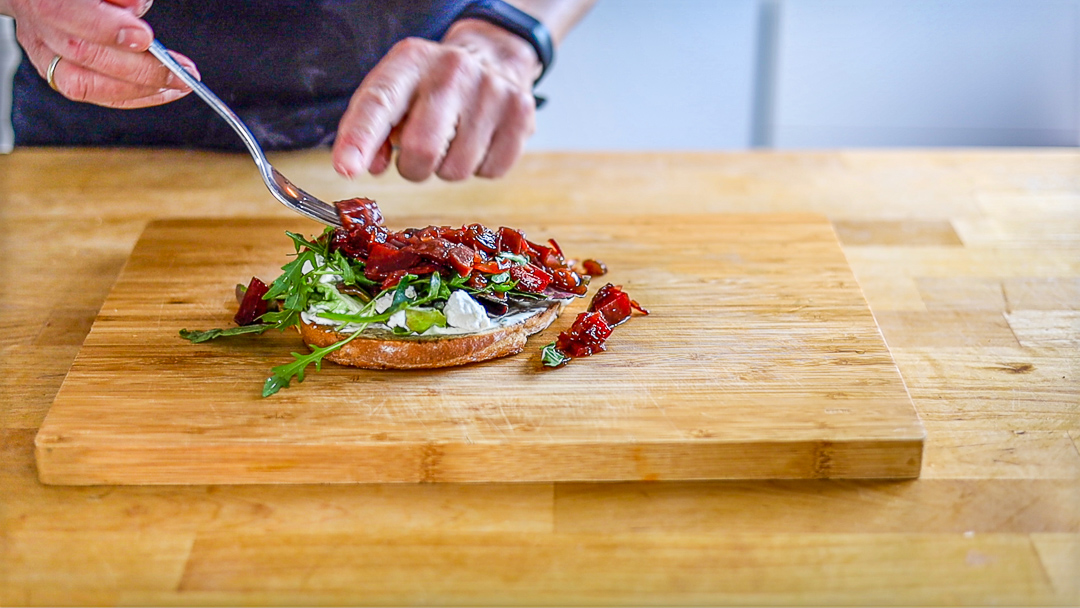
[[285, 191]]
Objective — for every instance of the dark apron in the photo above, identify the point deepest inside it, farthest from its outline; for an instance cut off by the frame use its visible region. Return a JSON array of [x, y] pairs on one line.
[[287, 67]]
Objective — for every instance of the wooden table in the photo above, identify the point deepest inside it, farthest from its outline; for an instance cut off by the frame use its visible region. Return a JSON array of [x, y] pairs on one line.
[[970, 262]]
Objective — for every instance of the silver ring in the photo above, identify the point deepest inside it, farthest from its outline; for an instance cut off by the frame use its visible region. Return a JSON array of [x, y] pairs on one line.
[[50, 74]]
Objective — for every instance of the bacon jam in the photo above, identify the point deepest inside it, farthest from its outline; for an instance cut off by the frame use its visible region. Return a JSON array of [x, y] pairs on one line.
[[474, 251], [610, 307]]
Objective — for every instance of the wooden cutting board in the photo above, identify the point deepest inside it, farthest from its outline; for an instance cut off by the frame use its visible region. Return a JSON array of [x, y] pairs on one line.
[[761, 359]]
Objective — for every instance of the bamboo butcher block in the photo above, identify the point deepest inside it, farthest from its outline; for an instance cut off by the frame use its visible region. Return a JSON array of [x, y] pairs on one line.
[[760, 359]]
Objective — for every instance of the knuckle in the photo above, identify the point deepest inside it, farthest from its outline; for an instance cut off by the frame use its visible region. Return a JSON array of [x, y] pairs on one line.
[[77, 88], [520, 113], [378, 97], [79, 50], [411, 47], [522, 106], [489, 88], [458, 69]]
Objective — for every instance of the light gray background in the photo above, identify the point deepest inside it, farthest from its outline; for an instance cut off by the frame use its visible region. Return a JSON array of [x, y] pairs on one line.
[[736, 74]]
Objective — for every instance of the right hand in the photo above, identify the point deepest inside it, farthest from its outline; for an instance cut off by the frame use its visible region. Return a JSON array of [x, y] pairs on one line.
[[102, 48]]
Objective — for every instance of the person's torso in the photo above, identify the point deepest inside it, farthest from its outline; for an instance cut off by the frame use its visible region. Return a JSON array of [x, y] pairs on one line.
[[287, 67]]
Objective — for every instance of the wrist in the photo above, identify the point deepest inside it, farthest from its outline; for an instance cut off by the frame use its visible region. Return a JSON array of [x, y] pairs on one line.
[[498, 47]]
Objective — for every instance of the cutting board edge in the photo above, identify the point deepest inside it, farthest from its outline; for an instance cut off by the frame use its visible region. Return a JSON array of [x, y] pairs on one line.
[[73, 464]]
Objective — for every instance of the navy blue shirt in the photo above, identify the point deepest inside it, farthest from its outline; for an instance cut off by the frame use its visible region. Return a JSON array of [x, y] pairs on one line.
[[287, 67]]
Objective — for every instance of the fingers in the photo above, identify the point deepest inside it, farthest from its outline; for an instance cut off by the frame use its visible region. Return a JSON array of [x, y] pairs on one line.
[[380, 103], [433, 119], [101, 46], [509, 141], [385, 154], [81, 84], [457, 115], [88, 76], [92, 21]]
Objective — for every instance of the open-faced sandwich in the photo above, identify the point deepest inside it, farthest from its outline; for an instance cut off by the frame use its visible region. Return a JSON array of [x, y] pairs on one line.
[[366, 296]]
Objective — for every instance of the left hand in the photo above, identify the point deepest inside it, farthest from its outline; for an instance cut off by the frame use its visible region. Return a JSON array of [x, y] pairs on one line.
[[456, 108]]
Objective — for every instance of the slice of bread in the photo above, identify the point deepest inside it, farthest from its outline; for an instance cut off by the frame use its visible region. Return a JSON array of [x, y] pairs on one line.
[[384, 350]]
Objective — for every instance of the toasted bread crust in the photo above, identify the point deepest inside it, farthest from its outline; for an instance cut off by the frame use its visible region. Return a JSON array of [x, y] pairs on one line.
[[429, 352]]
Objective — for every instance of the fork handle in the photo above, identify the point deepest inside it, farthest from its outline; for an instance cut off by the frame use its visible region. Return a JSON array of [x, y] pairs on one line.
[[158, 50]]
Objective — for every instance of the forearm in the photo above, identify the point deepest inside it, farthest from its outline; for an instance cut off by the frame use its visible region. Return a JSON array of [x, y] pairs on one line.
[[559, 16]]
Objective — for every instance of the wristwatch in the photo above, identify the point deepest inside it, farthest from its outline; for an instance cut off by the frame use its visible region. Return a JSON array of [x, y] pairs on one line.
[[515, 21]]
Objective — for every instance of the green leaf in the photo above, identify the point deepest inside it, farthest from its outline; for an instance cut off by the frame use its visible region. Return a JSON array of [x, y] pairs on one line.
[[513, 257], [343, 268], [210, 334], [318, 246], [435, 285], [526, 295], [553, 357], [457, 281], [360, 318], [283, 374], [282, 319], [504, 287], [502, 277], [292, 279], [399, 292], [421, 319]]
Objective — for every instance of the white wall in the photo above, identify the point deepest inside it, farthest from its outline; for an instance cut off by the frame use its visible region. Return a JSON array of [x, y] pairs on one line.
[[653, 74], [721, 74], [927, 73]]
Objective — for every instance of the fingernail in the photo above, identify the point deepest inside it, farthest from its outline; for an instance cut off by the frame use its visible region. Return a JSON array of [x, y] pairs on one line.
[[133, 38], [350, 162]]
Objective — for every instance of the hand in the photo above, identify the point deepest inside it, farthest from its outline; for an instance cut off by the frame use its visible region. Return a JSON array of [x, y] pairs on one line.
[[456, 108], [101, 45]]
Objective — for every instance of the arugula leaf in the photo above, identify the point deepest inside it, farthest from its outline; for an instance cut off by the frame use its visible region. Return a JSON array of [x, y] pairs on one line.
[[358, 318], [552, 356], [292, 277], [318, 245], [526, 295], [420, 320], [435, 285], [283, 374], [282, 319], [513, 257], [399, 292], [457, 281], [202, 336]]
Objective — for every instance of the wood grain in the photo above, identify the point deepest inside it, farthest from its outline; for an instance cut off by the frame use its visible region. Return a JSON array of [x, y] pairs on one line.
[[760, 360], [991, 521]]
